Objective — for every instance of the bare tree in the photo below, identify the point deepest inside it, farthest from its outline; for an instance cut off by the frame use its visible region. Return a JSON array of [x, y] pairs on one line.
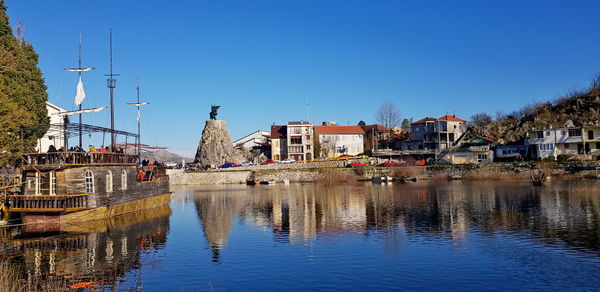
[[388, 115], [481, 120]]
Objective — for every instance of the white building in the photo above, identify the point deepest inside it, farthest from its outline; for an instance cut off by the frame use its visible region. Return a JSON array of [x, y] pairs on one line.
[[56, 133], [251, 140], [335, 141], [552, 142]]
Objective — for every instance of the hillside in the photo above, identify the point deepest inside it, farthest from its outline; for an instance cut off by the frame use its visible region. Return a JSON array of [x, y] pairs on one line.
[[165, 156], [581, 108]]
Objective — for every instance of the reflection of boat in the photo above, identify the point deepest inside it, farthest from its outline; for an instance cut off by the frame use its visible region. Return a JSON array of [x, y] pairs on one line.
[[104, 251]]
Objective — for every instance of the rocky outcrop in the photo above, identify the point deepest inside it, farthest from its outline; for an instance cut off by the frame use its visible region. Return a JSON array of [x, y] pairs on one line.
[[215, 147]]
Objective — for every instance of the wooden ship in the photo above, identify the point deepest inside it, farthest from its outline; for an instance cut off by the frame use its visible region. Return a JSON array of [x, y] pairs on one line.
[[59, 187]]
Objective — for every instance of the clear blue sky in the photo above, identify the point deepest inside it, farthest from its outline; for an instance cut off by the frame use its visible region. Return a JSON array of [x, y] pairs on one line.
[[261, 60]]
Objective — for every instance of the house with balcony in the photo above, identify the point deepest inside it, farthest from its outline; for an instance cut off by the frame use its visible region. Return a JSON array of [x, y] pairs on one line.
[[299, 141], [293, 140], [335, 141], [252, 140], [475, 151], [552, 142], [436, 133]]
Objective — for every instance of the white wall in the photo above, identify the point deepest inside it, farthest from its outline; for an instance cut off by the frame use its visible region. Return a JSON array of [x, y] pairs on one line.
[[353, 143], [56, 130]]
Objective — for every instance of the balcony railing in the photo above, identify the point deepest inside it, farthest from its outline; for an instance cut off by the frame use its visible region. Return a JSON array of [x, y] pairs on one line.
[[62, 158], [48, 203]]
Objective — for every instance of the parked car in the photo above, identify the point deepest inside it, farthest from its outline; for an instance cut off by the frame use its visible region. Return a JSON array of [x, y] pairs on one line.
[[228, 165], [355, 164], [288, 160], [344, 156], [267, 162], [388, 163], [247, 163]]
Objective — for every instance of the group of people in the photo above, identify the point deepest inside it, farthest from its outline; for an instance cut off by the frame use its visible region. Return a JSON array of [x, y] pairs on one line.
[[146, 162], [105, 149], [91, 148]]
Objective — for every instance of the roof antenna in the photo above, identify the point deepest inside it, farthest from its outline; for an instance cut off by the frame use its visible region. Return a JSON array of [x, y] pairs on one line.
[[307, 109]]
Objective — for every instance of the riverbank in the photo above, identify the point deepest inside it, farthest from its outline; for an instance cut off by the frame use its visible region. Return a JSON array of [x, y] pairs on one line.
[[332, 172]]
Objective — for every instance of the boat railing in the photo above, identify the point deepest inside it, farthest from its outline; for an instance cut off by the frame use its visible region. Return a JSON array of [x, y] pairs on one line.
[[48, 203], [75, 158]]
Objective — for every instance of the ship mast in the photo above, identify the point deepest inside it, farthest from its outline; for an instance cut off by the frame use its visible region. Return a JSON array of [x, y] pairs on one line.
[[138, 104], [79, 70], [111, 84]]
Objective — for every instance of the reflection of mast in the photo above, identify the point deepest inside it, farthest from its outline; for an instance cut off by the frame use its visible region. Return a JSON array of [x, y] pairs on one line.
[[80, 94], [216, 215]]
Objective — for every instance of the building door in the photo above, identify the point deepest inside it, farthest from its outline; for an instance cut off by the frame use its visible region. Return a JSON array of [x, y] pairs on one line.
[[308, 156]]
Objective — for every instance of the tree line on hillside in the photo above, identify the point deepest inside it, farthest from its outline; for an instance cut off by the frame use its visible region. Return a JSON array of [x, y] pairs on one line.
[[578, 108], [23, 114]]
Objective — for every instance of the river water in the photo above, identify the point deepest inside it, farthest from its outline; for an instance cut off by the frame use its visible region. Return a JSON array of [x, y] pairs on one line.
[[449, 236]]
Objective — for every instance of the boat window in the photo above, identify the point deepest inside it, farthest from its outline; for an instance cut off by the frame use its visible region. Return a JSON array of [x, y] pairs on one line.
[[124, 180], [52, 183], [89, 182], [109, 182], [38, 183]]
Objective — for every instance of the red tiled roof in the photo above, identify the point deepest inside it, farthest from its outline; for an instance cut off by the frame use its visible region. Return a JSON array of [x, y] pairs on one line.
[[278, 132], [339, 130], [423, 120], [451, 118], [376, 127]]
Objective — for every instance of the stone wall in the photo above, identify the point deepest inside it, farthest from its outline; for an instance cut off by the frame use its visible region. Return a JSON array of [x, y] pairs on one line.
[[179, 177]]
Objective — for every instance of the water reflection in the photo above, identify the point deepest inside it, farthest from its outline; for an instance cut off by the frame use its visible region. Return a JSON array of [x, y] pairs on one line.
[[101, 251], [566, 214]]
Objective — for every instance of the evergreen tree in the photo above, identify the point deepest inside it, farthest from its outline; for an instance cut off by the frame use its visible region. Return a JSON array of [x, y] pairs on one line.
[[23, 114]]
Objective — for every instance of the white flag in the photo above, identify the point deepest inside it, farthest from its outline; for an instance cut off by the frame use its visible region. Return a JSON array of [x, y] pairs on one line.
[[80, 96]]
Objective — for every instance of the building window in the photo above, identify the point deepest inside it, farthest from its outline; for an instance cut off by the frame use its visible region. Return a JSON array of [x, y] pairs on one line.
[[539, 134], [295, 130], [307, 147], [38, 183], [124, 180], [89, 182], [295, 140], [481, 158], [109, 182], [52, 183], [590, 134], [566, 146], [575, 132], [307, 138]]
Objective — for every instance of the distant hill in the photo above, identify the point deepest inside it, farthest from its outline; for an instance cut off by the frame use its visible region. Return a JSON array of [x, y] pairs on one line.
[[580, 108], [165, 156]]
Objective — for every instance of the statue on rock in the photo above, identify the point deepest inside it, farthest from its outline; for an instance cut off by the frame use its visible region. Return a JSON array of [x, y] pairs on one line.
[[215, 147], [213, 111]]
